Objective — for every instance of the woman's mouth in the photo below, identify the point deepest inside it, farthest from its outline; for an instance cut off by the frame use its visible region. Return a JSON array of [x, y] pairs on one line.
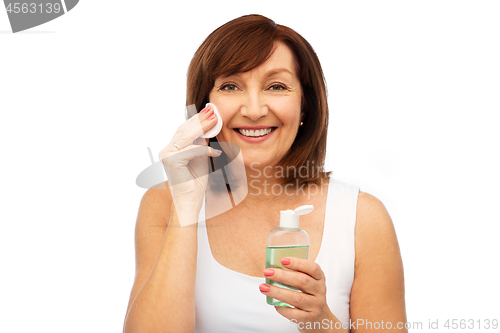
[[255, 135]]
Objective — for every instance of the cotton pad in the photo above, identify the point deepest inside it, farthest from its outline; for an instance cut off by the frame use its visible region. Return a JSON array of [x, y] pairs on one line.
[[217, 128]]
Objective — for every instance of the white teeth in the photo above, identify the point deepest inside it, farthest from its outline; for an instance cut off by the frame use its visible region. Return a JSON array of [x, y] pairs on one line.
[[261, 132]]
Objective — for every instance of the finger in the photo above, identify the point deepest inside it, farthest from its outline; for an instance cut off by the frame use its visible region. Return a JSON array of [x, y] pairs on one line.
[[291, 313], [297, 299], [181, 159], [186, 134], [299, 280], [193, 128], [303, 265], [193, 151]]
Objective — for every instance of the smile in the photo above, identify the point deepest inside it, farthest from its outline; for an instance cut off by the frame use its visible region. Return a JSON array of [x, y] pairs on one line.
[[256, 132], [255, 135]]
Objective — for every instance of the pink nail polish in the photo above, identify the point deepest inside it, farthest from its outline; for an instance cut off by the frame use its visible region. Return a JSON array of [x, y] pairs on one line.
[[264, 288], [205, 110], [212, 117], [285, 261], [268, 272]]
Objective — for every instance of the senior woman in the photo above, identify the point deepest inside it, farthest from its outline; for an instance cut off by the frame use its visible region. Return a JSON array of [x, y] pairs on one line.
[[200, 272]]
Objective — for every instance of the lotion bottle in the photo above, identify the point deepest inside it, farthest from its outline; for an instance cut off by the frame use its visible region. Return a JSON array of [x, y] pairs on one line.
[[287, 240]]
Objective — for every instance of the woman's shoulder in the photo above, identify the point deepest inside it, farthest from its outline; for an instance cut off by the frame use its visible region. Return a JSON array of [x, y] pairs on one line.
[[378, 287], [160, 191], [368, 205], [371, 213], [374, 232], [372, 217], [156, 203]]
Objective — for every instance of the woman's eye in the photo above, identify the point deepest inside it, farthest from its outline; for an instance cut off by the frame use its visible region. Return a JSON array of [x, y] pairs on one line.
[[277, 87], [229, 87]]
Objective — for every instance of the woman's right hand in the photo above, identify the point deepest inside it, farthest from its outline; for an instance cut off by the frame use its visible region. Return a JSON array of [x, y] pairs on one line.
[[187, 166]]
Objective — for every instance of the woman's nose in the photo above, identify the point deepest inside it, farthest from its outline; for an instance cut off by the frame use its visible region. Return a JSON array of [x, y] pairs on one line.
[[254, 107]]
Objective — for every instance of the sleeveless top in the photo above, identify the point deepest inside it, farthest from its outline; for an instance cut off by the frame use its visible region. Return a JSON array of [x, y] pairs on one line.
[[230, 301]]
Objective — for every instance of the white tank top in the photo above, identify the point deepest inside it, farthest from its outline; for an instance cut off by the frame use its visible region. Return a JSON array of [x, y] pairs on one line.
[[229, 301]]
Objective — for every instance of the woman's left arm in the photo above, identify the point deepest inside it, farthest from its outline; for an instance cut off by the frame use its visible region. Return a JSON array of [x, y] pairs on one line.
[[377, 294]]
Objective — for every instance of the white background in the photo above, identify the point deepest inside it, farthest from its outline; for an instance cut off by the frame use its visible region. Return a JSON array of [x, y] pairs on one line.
[[414, 101]]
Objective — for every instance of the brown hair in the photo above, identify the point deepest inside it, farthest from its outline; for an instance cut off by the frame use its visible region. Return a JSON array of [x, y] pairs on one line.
[[245, 43]]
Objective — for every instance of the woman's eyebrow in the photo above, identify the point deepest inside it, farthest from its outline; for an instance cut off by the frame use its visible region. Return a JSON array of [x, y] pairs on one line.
[[275, 71], [269, 73]]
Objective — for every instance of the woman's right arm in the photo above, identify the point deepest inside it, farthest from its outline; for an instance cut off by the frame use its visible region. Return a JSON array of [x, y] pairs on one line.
[[163, 294], [162, 297]]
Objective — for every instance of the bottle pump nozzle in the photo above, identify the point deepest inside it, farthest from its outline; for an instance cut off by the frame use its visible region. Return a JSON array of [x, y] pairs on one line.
[[290, 218]]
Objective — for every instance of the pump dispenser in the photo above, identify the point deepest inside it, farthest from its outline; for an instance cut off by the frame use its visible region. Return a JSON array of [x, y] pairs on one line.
[[287, 240]]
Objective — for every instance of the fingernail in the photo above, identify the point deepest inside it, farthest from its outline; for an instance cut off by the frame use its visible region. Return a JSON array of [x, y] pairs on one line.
[[217, 151], [211, 117], [268, 272], [205, 110], [285, 261], [276, 307], [264, 288]]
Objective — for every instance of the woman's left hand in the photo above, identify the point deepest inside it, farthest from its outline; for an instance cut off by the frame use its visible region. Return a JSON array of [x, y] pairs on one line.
[[310, 304]]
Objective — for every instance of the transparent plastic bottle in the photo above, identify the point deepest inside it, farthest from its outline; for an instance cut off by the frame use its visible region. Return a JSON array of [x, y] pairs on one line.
[[287, 240]]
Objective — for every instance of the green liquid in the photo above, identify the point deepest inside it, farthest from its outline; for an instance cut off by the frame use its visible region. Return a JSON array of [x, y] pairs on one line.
[[273, 260]]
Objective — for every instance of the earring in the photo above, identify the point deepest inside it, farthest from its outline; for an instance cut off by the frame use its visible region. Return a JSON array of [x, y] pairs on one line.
[[301, 123]]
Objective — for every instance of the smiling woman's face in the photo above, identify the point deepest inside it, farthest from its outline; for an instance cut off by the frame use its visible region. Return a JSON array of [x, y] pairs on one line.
[[261, 108]]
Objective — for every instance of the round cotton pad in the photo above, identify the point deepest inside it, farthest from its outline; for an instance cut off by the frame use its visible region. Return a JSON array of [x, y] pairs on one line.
[[217, 128]]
